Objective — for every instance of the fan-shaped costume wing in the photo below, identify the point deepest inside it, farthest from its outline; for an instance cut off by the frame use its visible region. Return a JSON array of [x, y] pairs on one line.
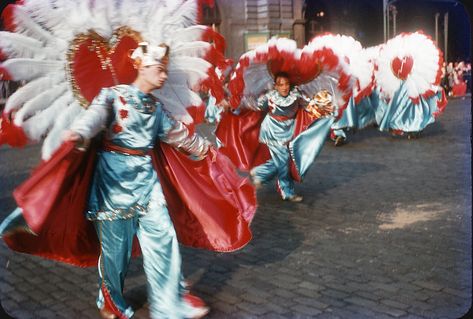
[[313, 68], [411, 59], [408, 77], [351, 51], [357, 114], [88, 51]]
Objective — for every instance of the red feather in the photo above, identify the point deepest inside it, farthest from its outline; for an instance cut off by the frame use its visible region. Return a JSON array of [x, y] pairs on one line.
[[11, 134]]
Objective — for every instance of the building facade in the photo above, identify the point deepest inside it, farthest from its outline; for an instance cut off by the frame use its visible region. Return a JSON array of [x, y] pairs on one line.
[[247, 23]]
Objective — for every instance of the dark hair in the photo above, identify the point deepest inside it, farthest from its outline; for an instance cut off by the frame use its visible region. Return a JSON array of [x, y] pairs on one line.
[[281, 75]]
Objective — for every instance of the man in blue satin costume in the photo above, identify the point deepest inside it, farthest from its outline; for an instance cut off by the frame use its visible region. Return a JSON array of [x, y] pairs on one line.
[[277, 130], [356, 116], [401, 115], [126, 198]]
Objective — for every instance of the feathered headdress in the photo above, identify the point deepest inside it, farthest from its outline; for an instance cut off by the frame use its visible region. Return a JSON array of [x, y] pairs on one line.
[[312, 68], [146, 54], [66, 61], [412, 58], [358, 64]]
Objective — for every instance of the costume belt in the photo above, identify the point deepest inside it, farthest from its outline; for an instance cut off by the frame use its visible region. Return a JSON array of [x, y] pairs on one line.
[[280, 118], [110, 147]]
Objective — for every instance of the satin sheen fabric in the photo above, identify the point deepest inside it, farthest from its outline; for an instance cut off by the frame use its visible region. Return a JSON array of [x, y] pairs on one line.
[[210, 205], [402, 114], [239, 136]]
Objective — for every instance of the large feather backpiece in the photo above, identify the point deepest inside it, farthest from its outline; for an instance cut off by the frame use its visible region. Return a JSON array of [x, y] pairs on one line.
[[311, 68], [65, 51], [413, 59], [358, 64]]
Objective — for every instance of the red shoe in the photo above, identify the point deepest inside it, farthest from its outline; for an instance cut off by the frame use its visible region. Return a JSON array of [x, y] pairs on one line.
[[396, 132], [105, 314], [200, 308]]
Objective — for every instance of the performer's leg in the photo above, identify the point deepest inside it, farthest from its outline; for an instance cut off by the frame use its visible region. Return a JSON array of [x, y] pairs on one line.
[[116, 239], [13, 223], [263, 173], [338, 136], [280, 155], [162, 264]]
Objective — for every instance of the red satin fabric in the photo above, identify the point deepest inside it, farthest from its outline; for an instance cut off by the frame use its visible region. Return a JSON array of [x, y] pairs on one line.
[[53, 200], [303, 121], [240, 133], [11, 134], [211, 206]]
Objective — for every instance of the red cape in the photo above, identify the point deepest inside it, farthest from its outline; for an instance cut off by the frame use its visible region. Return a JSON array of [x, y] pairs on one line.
[[239, 135], [210, 205]]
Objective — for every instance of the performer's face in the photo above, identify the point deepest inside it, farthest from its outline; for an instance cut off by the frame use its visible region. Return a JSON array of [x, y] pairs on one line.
[[156, 75], [282, 85]]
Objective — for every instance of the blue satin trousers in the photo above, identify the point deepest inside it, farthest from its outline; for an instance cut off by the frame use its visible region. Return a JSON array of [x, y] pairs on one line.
[[161, 261], [278, 166]]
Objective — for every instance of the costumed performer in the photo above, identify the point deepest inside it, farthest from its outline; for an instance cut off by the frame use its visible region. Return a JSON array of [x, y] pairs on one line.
[[128, 181], [282, 132], [408, 76], [126, 197]]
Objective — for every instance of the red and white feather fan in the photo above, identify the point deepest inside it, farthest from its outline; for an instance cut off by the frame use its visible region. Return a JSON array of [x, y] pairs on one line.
[[312, 69], [413, 59], [65, 59], [358, 64]]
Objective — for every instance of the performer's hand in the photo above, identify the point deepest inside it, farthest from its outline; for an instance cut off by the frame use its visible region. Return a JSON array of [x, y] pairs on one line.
[[74, 137], [71, 136], [213, 154], [225, 105], [205, 152], [328, 108]]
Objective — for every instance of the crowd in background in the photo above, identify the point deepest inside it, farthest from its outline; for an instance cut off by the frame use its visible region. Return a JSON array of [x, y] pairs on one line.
[[456, 78]]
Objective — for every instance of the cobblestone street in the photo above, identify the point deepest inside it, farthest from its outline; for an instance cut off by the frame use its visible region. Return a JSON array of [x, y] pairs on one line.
[[384, 231]]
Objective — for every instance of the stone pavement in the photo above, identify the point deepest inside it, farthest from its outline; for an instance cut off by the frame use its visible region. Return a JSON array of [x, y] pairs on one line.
[[384, 232]]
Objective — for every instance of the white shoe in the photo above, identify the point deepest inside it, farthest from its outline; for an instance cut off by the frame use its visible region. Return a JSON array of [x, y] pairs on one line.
[[294, 198]]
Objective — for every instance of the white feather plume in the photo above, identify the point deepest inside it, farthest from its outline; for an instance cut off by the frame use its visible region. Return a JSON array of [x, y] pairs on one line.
[[188, 70], [21, 69], [63, 122], [30, 90], [27, 26], [426, 63], [39, 102], [38, 126], [192, 33], [174, 97], [196, 49], [17, 45], [43, 33], [351, 51], [183, 15]]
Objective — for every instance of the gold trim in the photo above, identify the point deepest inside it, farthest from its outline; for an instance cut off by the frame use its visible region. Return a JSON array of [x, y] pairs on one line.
[[97, 42]]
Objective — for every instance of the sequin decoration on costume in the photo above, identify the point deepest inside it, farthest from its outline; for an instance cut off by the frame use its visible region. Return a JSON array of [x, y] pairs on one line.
[[144, 103]]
